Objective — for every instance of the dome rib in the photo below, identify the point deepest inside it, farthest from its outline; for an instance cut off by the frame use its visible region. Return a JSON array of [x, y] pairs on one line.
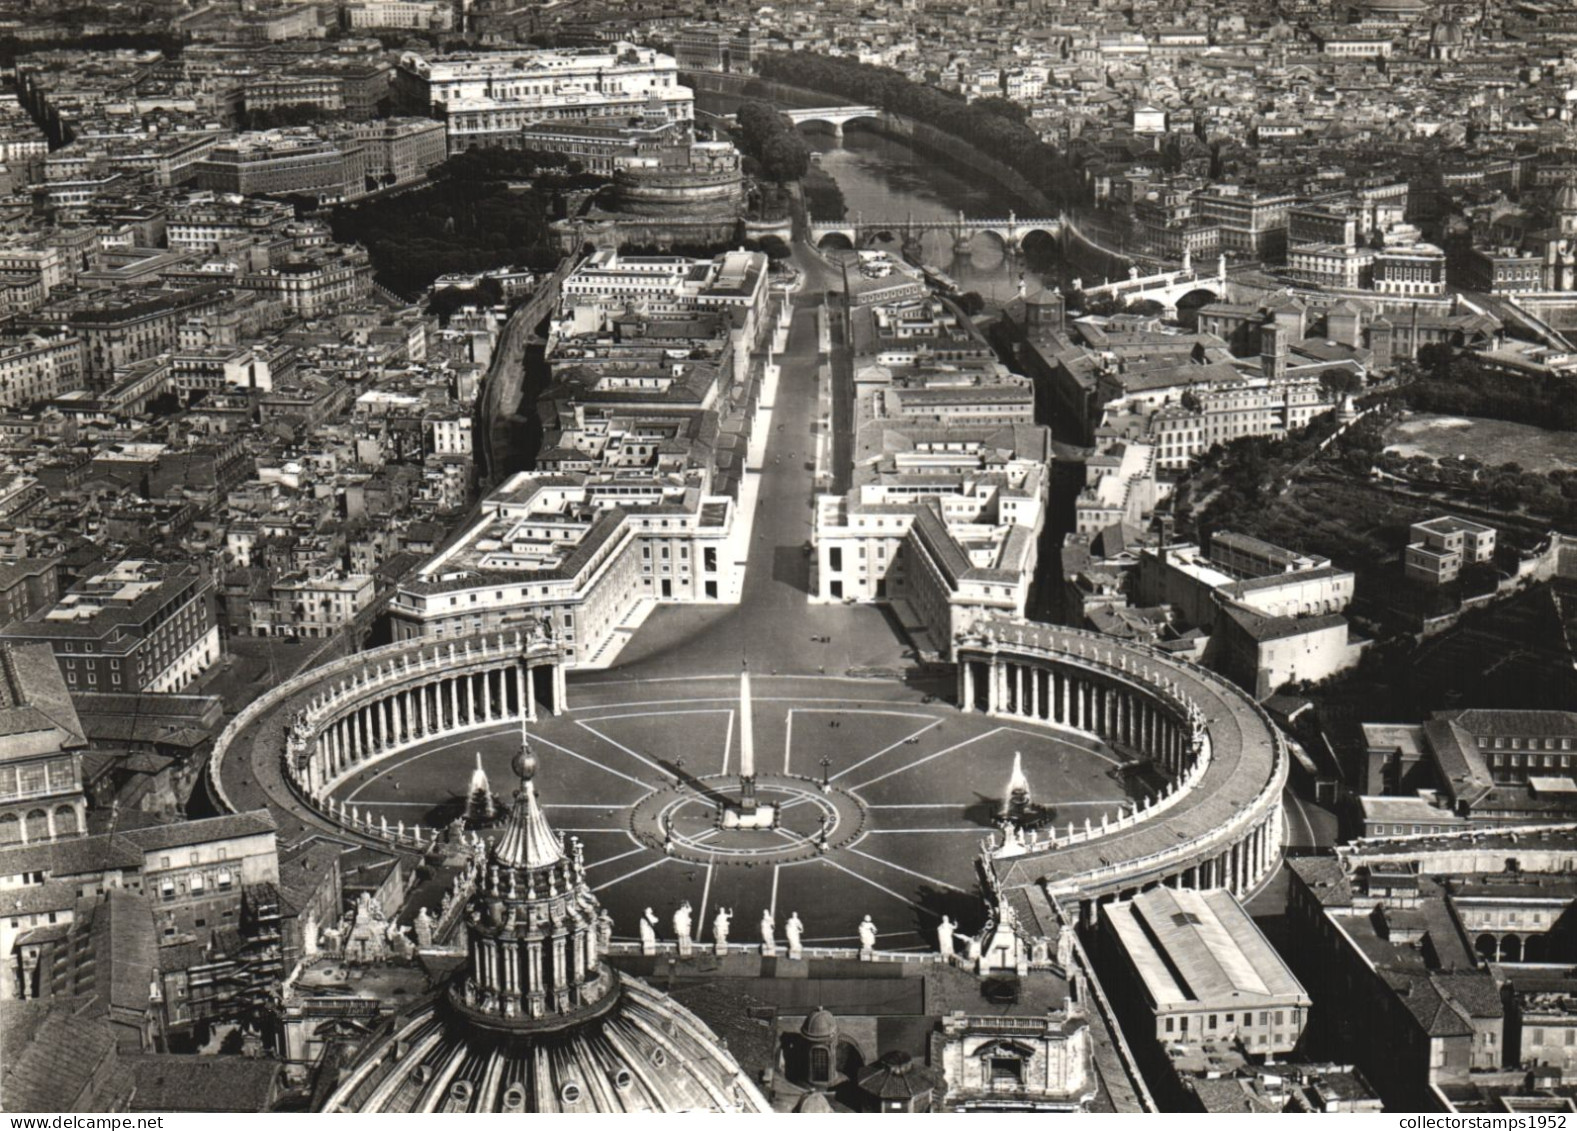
[[528, 841], [556, 1016]]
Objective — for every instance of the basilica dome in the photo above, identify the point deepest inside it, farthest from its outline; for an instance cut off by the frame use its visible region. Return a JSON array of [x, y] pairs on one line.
[[536, 1021]]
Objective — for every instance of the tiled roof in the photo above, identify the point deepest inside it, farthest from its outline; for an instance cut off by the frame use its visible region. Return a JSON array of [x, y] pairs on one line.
[[125, 849], [169, 1082], [54, 1051], [34, 702]]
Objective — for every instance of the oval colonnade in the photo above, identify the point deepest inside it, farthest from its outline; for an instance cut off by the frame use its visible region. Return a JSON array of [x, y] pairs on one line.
[[1218, 820], [337, 720]]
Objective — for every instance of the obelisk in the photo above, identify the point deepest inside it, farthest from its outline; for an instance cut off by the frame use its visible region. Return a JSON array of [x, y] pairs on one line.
[[747, 747]]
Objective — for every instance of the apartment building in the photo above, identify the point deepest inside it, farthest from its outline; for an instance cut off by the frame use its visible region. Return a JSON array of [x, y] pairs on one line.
[[128, 626]]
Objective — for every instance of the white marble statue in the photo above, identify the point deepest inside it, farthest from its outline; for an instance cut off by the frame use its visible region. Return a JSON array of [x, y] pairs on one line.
[[794, 931], [867, 936], [424, 928], [769, 945], [309, 934], [648, 925], [944, 936], [720, 930], [682, 928]]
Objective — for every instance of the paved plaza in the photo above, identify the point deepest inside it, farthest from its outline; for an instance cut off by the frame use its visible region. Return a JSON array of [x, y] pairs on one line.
[[636, 770]]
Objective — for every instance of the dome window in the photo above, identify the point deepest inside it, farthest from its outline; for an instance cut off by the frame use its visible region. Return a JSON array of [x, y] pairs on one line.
[[659, 1057], [515, 1098], [460, 1092], [570, 1093], [622, 1079]]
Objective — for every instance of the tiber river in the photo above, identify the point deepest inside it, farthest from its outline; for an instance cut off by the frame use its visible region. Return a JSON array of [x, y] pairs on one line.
[[888, 180]]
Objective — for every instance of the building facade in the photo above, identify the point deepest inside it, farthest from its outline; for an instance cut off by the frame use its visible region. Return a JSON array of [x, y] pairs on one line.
[[130, 626]]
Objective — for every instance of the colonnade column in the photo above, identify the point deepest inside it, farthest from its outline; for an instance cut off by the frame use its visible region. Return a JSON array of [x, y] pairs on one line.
[[966, 695]]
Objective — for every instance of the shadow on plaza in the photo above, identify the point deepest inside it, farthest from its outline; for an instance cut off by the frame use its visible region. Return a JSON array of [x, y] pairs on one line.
[[791, 567], [985, 812], [962, 907], [687, 782]]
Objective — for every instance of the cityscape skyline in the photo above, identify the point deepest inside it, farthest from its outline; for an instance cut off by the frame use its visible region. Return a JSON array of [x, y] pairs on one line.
[[628, 556]]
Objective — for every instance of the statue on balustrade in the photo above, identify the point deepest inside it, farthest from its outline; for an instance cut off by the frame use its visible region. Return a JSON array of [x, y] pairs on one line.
[[794, 931]]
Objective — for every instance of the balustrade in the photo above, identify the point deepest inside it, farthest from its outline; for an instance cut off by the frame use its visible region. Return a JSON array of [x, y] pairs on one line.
[[1130, 696]]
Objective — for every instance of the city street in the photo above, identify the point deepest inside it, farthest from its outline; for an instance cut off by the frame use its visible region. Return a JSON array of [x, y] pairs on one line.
[[773, 625]]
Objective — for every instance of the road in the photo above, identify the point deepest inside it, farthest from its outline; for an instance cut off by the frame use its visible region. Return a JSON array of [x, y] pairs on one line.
[[773, 624], [1307, 826]]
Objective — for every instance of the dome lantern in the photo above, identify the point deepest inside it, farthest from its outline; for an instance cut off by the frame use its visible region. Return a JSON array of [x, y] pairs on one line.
[[536, 1021]]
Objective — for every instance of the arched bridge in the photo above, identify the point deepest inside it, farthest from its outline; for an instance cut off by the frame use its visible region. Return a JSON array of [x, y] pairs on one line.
[[1010, 231], [1165, 287], [834, 116]]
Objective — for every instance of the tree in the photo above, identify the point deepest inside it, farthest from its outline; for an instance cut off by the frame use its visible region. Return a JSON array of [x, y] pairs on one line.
[[283, 117], [785, 158], [1505, 492], [1340, 382], [1002, 108], [1435, 359], [775, 248], [971, 303]]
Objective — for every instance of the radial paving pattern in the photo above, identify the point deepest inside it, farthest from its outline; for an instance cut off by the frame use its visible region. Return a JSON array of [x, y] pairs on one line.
[[638, 775]]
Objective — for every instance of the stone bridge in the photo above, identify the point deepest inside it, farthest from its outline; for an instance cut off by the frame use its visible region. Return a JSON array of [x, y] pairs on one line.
[[834, 116], [1010, 232], [1166, 287]]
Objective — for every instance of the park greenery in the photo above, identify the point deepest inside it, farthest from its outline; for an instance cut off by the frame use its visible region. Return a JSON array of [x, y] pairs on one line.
[[1460, 384], [487, 208], [991, 125], [823, 198], [1245, 486], [292, 115], [168, 44], [766, 138]]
